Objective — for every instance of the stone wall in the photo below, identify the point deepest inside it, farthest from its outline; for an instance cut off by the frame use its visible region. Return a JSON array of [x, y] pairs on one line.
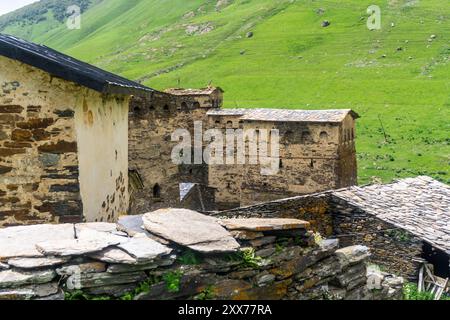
[[50, 169], [313, 208], [397, 250], [253, 260], [152, 122]]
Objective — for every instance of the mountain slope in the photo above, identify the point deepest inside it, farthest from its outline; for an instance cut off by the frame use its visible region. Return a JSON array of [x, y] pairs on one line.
[[397, 78]]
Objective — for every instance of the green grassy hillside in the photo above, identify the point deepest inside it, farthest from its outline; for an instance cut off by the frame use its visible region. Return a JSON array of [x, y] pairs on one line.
[[397, 77]]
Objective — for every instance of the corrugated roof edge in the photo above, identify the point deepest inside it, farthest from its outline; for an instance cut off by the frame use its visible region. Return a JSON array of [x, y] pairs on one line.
[[65, 67]]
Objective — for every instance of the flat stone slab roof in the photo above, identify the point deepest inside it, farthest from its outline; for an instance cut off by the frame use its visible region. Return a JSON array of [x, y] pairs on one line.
[[286, 115], [259, 225], [419, 205], [194, 92]]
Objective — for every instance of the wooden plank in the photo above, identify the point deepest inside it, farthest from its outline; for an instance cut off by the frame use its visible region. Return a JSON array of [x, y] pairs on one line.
[[441, 290], [421, 281]]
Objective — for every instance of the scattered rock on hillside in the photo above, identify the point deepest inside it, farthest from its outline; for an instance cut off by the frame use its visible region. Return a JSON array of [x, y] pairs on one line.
[[198, 29], [189, 15], [326, 23], [222, 3], [320, 11], [250, 34], [432, 38]]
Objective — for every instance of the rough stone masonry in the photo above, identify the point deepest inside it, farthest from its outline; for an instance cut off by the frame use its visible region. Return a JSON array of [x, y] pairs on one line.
[[212, 258]]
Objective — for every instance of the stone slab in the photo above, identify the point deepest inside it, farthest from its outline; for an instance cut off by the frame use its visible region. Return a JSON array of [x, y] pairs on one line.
[[14, 279], [246, 235], [29, 292], [87, 267], [112, 291], [190, 229], [3, 266], [144, 249], [261, 225], [132, 225], [59, 296], [263, 241], [126, 268], [93, 280], [21, 241], [88, 241], [352, 255], [33, 263], [115, 256], [97, 226]]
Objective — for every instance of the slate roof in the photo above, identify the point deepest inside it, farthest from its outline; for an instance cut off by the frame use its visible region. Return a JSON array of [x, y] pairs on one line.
[[419, 205], [68, 68], [192, 92], [285, 115]]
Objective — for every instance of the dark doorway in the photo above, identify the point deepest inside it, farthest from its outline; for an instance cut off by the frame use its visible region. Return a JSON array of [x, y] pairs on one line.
[[438, 259], [156, 191]]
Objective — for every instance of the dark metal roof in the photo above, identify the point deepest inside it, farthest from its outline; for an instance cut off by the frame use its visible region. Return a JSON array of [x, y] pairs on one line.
[[68, 68]]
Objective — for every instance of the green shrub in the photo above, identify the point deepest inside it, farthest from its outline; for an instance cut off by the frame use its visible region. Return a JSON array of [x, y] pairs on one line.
[[173, 280]]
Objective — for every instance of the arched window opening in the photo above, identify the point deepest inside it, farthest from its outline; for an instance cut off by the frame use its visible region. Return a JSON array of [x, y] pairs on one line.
[[323, 136], [184, 106], [230, 124], [156, 191], [166, 108]]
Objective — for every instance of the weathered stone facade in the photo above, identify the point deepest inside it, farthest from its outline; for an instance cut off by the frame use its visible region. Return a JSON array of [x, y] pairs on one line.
[[317, 150], [63, 149], [152, 121], [317, 153]]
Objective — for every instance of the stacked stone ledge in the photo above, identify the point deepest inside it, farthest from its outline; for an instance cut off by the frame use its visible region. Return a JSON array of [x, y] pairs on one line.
[[233, 259]]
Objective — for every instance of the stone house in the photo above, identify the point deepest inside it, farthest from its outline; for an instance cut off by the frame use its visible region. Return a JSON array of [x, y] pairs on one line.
[[63, 137], [317, 150], [317, 153], [404, 223]]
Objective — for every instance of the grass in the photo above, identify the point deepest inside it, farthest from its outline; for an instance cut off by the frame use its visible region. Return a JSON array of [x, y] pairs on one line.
[[411, 292], [394, 78]]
